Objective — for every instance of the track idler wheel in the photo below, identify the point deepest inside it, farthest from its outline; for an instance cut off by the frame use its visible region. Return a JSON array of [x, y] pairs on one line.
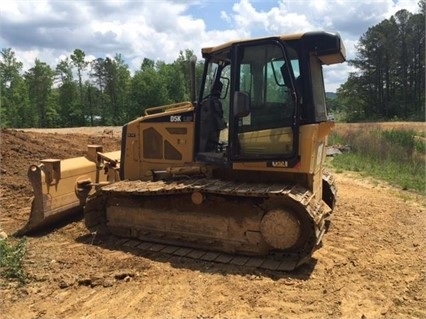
[[280, 228]]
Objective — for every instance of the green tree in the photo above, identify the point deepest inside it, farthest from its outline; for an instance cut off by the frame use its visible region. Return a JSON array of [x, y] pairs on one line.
[[147, 89], [147, 64], [182, 64], [416, 62], [92, 100], [99, 100], [14, 104], [39, 80], [78, 59], [124, 82], [174, 82], [391, 71], [349, 101], [69, 111], [117, 82]]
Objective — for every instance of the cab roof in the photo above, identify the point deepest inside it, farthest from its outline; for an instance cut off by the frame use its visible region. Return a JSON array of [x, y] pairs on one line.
[[284, 37], [328, 47]]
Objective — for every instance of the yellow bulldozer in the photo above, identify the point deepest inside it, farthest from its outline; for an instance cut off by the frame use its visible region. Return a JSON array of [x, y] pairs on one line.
[[236, 175]]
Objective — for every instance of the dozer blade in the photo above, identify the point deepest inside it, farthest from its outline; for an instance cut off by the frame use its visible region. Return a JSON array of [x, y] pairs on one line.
[[62, 186]]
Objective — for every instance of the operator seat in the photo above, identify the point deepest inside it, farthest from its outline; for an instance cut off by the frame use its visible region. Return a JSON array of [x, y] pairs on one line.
[[212, 121]]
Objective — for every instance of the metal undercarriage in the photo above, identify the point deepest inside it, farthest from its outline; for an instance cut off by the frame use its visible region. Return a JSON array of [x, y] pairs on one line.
[[224, 220]]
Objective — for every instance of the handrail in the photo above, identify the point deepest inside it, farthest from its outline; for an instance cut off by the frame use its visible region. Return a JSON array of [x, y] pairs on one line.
[[167, 108]]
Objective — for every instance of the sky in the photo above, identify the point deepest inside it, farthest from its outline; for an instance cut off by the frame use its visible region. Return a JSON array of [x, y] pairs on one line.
[[51, 30]]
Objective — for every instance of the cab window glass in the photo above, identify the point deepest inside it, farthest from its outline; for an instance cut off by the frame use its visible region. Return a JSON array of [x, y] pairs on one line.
[[264, 75]]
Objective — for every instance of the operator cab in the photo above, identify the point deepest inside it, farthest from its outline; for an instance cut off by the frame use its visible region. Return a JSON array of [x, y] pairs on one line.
[[256, 94]]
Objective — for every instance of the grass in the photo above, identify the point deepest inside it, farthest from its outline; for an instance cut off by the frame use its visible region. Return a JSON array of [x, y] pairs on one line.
[[11, 259], [395, 156]]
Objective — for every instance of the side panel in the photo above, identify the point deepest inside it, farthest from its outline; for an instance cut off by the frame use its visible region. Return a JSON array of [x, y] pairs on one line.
[[157, 141], [163, 145], [311, 150]]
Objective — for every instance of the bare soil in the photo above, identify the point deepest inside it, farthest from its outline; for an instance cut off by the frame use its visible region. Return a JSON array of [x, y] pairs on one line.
[[371, 265]]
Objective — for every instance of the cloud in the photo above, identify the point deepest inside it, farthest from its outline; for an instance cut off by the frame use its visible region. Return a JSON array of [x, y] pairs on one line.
[[276, 20], [51, 29]]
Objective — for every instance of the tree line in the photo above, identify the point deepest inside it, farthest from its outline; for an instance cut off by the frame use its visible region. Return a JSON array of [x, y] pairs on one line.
[[389, 82], [80, 93]]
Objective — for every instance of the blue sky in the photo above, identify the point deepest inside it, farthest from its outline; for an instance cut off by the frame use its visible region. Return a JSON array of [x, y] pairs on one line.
[[50, 30]]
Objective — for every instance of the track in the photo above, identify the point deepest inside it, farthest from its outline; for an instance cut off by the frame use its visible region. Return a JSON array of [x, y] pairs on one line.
[[267, 263], [128, 200]]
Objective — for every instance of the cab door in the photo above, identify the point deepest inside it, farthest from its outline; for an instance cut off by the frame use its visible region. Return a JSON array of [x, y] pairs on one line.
[[264, 71]]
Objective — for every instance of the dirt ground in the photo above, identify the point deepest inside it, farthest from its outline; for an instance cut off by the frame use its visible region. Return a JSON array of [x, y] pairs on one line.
[[372, 263]]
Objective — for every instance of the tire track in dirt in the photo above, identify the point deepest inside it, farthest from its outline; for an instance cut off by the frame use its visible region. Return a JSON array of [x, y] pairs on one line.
[[372, 234]]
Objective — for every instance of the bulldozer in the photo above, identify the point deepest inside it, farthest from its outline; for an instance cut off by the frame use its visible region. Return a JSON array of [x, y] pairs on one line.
[[235, 174]]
